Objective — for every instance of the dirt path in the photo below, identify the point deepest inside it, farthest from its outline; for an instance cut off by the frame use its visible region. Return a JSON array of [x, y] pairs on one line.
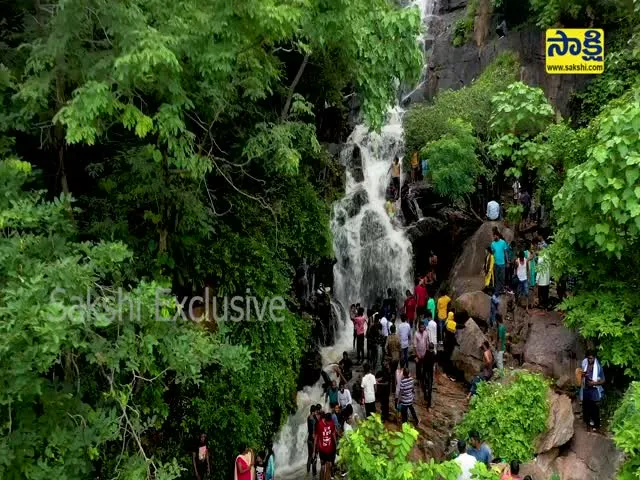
[[449, 404]]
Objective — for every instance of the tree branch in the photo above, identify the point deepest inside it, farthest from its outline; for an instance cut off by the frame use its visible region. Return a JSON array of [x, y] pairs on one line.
[[287, 105]]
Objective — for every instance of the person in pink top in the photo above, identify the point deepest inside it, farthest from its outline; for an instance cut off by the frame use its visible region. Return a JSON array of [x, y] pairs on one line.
[[359, 324], [244, 465], [421, 298]]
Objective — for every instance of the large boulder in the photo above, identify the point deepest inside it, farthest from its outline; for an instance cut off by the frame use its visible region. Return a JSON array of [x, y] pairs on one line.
[[467, 356], [467, 273], [559, 424], [542, 467], [551, 347], [588, 456], [476, 304]]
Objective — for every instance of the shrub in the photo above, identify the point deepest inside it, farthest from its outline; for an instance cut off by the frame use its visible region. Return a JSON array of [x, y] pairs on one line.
[[371, 452], [509, 415]]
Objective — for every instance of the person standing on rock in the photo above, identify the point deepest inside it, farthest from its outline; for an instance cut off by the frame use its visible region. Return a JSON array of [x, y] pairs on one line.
[[311, 431], [410, 307], [359, 323], [404, 332], [443, 306], [543, 279], [489, 277], [421, 298], [502, 342], [591, 392], [522, 272], [395, 176], [450, 344], [393, 352], [499, 250], [428, 370], [407, 397], [421, 345], [431, 307], [383, 380], [368, 385]]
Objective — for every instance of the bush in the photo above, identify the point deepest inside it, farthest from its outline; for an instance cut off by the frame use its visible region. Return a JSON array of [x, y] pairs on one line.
[[371, 452], [509, 415]]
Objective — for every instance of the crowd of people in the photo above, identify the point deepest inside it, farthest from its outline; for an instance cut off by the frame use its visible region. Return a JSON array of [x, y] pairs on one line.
[[421, 329]]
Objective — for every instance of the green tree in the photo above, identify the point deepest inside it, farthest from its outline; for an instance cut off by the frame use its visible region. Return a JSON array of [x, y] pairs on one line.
[[454, 166], [519, 114], [509, 415], [85, 359]]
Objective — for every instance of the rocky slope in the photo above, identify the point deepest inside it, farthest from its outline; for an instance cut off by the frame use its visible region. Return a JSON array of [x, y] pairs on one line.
[[453, 67]]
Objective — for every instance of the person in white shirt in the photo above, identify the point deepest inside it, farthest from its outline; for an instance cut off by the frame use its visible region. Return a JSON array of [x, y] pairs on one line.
[[344, 396], [543, 280], [516, 190], [404, 332], [465, 461], [368, 385], [493, 210], [432, 330], [385, 327]]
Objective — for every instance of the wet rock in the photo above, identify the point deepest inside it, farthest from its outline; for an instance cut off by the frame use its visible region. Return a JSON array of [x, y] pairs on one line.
[[445, 6], [354, 164], [355, 202], [467, 356], [559, 424], [467, 274], [476, 304], [551, 347]]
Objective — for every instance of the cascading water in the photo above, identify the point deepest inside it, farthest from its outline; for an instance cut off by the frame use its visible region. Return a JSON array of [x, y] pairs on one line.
[[372, 254]]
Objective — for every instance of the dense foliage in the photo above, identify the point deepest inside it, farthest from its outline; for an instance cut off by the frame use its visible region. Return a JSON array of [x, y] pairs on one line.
[[626, 429], [453, 164], [373, 452], [189, 135], [509, 415], [82, 375]]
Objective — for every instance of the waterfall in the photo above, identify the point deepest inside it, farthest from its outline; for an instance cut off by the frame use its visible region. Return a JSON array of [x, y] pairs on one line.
[[372, 252]]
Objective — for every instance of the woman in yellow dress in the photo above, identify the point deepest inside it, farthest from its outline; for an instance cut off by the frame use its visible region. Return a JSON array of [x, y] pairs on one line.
[[489, 277]]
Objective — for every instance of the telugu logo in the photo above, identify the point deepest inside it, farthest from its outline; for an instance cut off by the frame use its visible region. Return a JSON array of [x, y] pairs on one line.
[[575, 50]]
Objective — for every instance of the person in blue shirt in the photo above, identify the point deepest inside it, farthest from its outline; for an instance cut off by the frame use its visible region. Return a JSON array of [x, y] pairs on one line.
[[479, 450], [500, 257]]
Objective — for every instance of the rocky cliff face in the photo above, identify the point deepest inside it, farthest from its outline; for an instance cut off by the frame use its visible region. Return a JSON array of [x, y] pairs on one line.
[[453, 67]]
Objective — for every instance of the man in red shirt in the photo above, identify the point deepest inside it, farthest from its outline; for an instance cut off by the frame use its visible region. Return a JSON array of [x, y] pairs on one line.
[[326, 443], [359, 323], [410, 307], [421, 298]]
